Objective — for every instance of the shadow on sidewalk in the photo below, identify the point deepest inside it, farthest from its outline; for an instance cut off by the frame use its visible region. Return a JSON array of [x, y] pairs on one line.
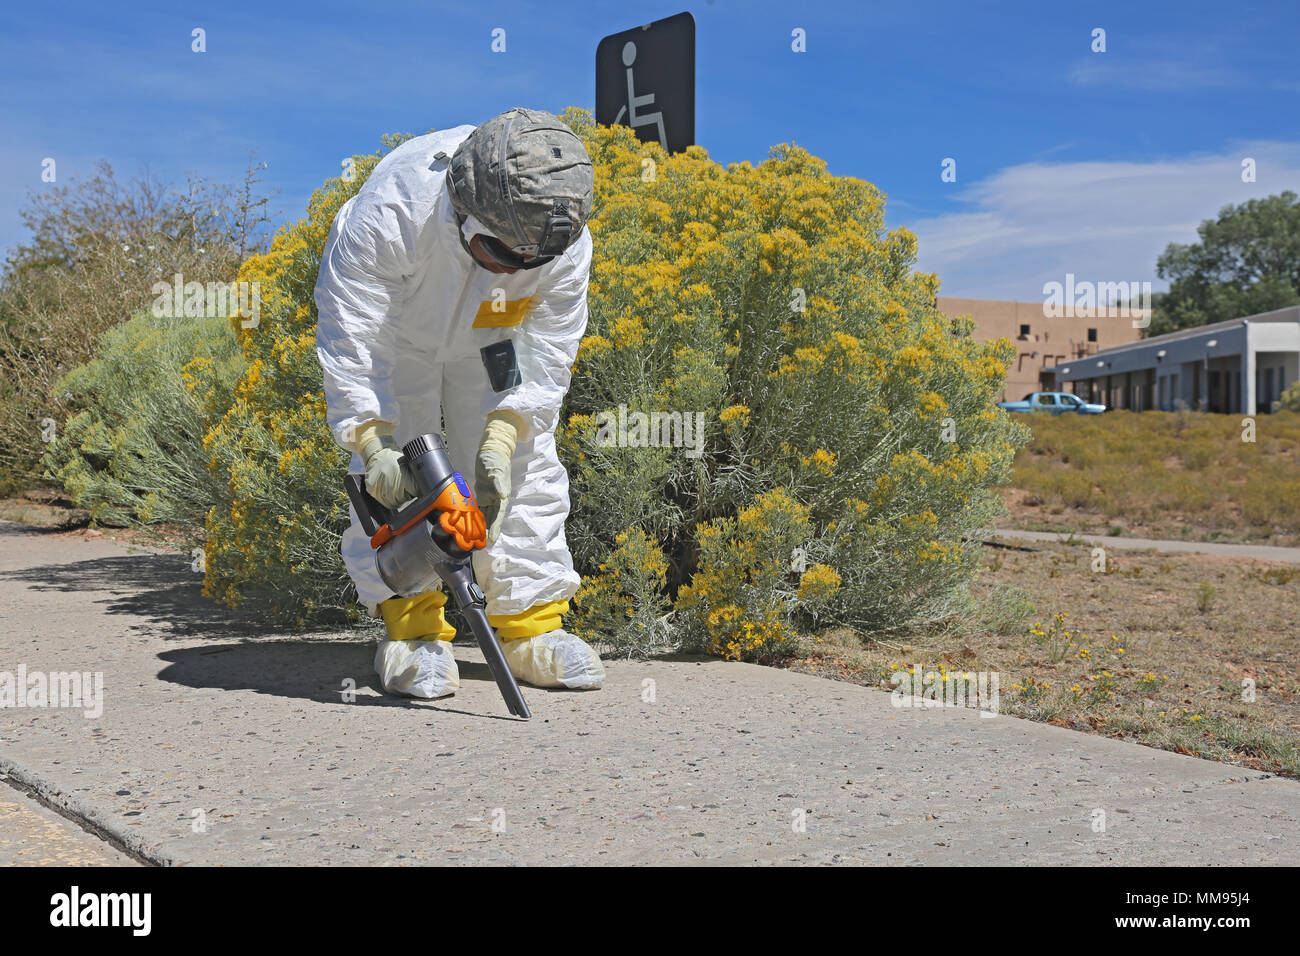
[[164, 594], [321, 671], [162, 588]]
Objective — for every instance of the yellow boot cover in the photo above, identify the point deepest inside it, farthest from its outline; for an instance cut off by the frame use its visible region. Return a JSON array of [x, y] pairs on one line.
[[538, 619], [416, 660], [418, 618]]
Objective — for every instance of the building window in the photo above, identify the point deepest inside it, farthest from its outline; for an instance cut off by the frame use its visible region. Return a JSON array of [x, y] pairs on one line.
[[1024, 331], [1092, 335]]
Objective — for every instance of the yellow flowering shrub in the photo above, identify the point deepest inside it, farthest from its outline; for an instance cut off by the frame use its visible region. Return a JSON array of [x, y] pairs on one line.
[[274, 535], [831, 435], [628, 587], [131, 454], [836, 401], [746, 598]]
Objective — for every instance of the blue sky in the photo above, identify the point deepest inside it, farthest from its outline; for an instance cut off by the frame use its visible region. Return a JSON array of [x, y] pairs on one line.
[[1067, 160]]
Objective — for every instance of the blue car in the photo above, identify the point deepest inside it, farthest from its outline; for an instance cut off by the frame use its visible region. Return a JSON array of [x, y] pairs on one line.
[[1054, 403]]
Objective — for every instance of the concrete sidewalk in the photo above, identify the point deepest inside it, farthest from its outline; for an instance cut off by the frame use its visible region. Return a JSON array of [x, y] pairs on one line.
[[221, 742], [1253, 552]]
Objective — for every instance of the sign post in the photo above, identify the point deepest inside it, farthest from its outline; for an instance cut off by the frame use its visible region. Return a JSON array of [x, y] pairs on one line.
[[645, 79]]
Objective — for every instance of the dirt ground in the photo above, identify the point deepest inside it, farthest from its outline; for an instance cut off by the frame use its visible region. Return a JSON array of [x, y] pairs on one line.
[[42, 508], [47, 508], [1028, 512], [1191, 653]]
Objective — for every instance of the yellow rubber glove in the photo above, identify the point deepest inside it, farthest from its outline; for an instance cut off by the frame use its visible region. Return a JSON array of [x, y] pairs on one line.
[[492, 468], [388, 480]]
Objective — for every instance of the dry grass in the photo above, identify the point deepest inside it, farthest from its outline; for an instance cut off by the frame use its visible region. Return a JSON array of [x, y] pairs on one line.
[[1160, 475], [1157, 649], [43, 508]]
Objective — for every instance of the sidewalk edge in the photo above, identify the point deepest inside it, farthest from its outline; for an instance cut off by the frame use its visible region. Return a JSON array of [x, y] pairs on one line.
[[73, 810]]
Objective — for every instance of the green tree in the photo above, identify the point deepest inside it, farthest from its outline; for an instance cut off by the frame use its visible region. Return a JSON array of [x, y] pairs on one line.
[[1247, 262]]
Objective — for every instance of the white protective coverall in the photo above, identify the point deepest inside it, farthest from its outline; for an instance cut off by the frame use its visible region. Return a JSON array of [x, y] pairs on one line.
[[403, 314]]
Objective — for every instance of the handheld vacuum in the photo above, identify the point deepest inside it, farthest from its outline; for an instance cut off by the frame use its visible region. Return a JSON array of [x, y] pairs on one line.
[[432, 539]]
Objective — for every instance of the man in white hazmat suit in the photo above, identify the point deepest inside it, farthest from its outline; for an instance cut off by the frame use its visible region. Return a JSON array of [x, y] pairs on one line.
[[452, 295]]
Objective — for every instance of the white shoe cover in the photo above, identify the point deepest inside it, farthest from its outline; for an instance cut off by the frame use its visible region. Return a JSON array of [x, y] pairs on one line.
[[555, 659], [417, 668]]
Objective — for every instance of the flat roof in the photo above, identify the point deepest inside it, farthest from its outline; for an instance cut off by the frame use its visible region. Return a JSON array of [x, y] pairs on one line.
[[1290, 313]]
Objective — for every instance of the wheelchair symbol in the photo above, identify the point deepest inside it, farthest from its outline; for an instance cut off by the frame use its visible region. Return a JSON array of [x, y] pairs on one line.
[[634, 101]]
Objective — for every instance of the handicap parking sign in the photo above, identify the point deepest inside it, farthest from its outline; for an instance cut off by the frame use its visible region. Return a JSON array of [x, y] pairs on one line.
[[645, 79]]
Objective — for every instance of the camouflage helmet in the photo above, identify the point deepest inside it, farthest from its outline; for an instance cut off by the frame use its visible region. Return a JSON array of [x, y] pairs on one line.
[[527, 178]]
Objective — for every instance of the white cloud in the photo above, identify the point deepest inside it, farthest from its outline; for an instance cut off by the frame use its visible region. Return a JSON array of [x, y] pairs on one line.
[[1102, 221], [1161, 75]]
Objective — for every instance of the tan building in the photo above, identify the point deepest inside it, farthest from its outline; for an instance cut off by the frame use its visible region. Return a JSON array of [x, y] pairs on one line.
[[1042, 341]]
